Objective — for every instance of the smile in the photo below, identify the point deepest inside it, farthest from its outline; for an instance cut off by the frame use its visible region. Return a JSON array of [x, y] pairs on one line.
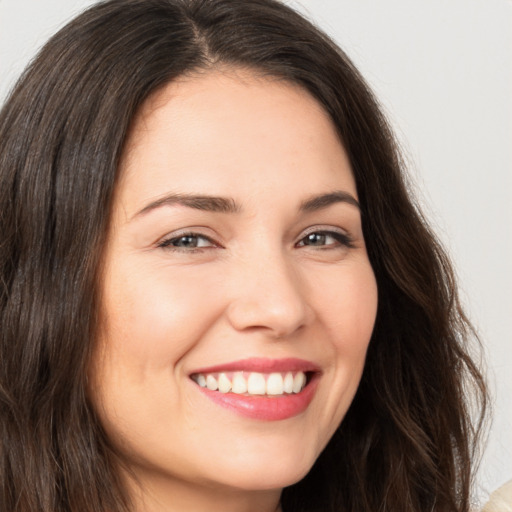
[[253, 383], [260, 388]]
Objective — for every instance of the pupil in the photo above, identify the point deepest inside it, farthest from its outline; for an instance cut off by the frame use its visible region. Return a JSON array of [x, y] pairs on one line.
[[316, 239], [186, 241]]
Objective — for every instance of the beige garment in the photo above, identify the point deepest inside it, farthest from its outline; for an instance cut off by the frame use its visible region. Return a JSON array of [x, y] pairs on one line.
[[500, 500]]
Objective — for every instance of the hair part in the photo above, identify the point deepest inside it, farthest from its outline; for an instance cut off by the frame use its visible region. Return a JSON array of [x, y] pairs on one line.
[[408, 441]]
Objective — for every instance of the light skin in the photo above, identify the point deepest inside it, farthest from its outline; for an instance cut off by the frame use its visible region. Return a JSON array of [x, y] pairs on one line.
[[275, 269]]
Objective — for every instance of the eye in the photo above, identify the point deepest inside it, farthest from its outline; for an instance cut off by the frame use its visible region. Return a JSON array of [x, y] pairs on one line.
[[325, 240], [187, 242]]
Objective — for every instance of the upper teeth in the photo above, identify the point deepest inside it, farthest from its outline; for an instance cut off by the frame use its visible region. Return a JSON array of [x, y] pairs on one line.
[[252, 383]]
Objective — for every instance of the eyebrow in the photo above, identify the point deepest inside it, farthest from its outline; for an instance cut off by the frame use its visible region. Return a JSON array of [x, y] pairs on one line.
[[219, 204], [198, 202], [324, 200]]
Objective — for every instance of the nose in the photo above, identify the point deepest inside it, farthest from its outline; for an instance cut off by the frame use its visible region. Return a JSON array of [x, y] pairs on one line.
[[269, 295]]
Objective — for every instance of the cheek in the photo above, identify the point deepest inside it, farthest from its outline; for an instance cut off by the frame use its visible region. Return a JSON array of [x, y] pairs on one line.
[[154, 316], [151, 319], [348, 307]]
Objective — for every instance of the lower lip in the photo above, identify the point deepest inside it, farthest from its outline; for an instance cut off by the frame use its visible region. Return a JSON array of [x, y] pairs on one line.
[[264, 407]]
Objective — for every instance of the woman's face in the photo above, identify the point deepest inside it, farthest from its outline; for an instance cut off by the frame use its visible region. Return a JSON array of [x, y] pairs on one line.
[[235, 269]]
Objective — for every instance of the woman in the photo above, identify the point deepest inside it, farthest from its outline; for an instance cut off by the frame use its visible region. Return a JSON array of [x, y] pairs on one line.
[[179, 334]]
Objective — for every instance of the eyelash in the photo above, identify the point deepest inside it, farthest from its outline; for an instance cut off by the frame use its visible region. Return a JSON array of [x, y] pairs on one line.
[[168, 243], [342, 239]]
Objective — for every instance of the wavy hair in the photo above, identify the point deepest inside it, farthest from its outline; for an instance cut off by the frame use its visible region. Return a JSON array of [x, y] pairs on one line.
[[407, 443]]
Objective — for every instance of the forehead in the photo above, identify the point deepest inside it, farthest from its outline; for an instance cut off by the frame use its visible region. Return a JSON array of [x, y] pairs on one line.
[[233, 130]]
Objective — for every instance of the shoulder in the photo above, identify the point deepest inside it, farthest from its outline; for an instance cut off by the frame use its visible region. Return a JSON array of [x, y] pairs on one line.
[[500, 500]]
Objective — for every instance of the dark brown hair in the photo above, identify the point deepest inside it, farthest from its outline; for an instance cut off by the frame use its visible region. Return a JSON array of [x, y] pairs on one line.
[[408, 441]]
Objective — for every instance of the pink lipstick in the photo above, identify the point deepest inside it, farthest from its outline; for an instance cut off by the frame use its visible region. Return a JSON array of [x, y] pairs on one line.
[[260, 388]]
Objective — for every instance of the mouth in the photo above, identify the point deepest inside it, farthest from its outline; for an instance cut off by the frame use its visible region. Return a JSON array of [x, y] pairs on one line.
[[261, 389], [254, 383]]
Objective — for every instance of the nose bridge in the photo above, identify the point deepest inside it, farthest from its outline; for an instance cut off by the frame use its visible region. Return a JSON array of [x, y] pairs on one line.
[[268, 294]]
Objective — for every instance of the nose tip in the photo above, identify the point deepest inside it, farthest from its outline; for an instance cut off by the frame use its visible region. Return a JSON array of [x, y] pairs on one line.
[[273, 301]]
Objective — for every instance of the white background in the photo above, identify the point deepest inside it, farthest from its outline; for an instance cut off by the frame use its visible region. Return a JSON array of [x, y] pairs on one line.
[[443, 71]]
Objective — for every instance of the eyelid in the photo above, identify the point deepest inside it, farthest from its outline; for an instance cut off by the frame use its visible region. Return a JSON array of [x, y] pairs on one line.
[[324, 229], [341, 235], [166, 241]]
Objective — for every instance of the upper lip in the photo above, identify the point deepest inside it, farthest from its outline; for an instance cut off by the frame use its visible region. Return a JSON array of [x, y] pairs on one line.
[[261, 365]]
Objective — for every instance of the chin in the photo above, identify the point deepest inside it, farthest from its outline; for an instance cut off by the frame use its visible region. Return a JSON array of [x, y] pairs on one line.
[[260, 472], [277, 477]]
